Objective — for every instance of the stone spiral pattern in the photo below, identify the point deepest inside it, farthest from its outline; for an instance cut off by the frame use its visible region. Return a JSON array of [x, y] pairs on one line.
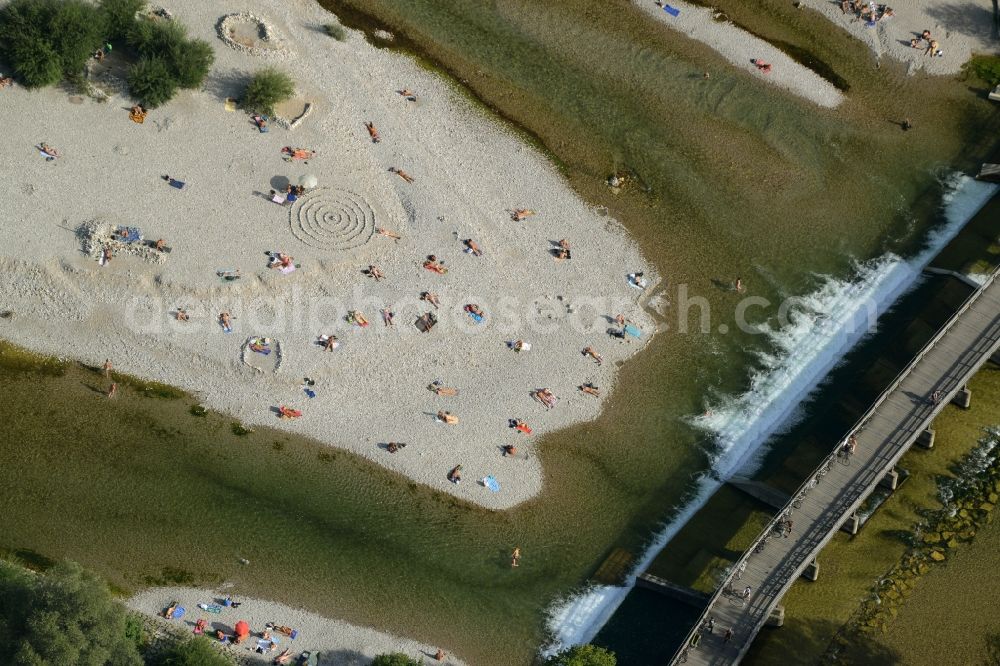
[[331, 219]]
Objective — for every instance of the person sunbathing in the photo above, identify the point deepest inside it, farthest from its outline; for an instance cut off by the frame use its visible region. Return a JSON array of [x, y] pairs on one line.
[[521, 214], [455, 475], [439, 388], [106, 254], [169, 612], [355, 317], [372, 132], [562, 252], [393, 447], [475, 310], [284, 413], [431, 298], [402, 174], [592, 353], [590, 389], [426, 322], [225, 320], [432, 264], [520, 426], [5, 81], [447, 417], [160, 245], [48, 150], [408, 94], [519, 345], [330, 343], [137, 114], [472, 247], [182, 315], [280, 260], [761, 65], [546, 397], [387, 233], [387, 316], [285, 657], [374, 272], [510, 450]]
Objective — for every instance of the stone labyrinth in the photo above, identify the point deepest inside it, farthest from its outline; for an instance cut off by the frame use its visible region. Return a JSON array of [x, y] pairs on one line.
[[332, 219]]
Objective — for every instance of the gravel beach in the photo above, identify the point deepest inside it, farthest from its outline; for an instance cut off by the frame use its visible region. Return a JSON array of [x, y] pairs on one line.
[[336, 642], [469, 173]]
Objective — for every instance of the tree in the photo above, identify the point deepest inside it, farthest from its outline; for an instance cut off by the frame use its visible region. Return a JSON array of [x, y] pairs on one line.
[[583, 655], [190, 63], [45, 39], [65, 617], [120, 16], [395, 659], [150, 81], [268, 88], [193, 652]]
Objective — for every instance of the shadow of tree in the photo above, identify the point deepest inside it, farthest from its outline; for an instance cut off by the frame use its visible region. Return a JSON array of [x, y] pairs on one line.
[[973, 19]]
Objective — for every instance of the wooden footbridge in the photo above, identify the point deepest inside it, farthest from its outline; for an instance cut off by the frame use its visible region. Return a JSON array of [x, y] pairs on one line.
[[830, 497]]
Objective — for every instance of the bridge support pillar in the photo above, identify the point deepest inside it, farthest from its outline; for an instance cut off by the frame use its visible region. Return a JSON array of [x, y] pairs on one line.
[[963, 398], [926, 439], [891, 479], [996, 358], [852, 524], [776, 618], [812, 571]]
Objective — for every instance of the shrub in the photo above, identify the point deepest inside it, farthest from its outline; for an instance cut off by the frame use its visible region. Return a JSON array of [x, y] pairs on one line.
[[34, 61], [76, 30], [39, 37], [119, 16], [156, 38], [336, 31], [66, 616], [986, 68], [193, 652], [150, 81], [268, 88], [583, 655], [191, 63], [395, 659]]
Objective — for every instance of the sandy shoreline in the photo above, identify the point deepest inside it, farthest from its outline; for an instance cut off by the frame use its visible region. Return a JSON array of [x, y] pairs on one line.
[[740, 48], [470, 172], [337, 642]]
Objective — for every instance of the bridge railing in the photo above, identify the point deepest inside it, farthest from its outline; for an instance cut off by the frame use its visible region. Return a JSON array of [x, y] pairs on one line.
[[736, 571]]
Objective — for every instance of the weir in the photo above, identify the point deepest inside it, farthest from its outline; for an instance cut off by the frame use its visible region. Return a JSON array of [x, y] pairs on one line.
[[832, 494]]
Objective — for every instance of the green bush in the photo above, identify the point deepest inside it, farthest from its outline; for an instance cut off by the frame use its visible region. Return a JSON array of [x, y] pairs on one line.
[[985, 68], [156, 38], [336, 31], [190, 64], [34, 61], [193, 652], [268, 88], [395, 659], [150, 81], [583, 655], [44, 39], [120, 16], [66, 616]]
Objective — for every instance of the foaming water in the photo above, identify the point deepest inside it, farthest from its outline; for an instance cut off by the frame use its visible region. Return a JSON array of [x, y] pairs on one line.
[[819, 329]]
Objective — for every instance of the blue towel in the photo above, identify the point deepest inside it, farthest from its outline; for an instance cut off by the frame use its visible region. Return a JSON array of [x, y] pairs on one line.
[[177, 183], [310, 393], [673, 11]]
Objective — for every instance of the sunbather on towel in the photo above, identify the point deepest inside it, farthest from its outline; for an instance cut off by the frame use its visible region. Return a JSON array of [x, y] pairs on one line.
[[372, 132]]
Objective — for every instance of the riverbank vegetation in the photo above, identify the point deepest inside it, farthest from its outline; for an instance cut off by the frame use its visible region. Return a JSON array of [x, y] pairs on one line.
[[48, 41], [65, 616]]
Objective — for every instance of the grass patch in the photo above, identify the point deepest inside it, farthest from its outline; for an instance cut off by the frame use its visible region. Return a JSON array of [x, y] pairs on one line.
[[15, 359], [985, 68]]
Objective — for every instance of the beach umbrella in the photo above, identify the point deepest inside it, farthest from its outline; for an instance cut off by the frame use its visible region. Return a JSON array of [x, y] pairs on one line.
[[308, 181], [242, 629]]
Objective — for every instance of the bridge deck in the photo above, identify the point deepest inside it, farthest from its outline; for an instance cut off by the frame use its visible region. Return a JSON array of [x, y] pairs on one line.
[[819, 508]]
